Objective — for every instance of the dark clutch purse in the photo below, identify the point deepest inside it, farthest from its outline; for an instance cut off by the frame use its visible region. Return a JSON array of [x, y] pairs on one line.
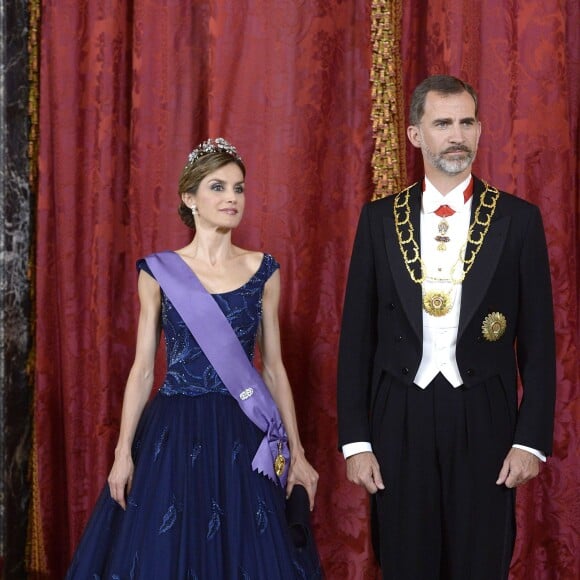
[[298, 520], [298, 516]]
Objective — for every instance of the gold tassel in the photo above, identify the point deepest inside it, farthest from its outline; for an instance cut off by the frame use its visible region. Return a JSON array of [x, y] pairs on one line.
[[388, 115]]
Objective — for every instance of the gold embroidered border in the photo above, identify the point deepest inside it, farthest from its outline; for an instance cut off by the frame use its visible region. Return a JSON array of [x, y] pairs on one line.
[[388, 116], [36, 562]]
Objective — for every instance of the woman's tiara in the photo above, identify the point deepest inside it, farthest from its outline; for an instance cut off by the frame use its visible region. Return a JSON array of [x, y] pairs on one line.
[[213, 146]]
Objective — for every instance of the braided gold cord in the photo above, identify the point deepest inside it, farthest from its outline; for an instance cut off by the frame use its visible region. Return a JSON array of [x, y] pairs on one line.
[[388, 117], [36, 562]]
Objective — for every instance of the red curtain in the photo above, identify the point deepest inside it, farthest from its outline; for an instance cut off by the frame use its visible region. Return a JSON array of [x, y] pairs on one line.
[[129, 87]]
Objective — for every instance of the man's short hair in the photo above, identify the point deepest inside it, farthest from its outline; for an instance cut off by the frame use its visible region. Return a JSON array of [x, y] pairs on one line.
[[443, 84]]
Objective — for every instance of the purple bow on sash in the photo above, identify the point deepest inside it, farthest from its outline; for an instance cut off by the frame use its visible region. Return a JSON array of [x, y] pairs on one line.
[[214, 334]]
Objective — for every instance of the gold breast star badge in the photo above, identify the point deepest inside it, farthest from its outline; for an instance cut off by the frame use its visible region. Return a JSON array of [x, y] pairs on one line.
[[493, 327]]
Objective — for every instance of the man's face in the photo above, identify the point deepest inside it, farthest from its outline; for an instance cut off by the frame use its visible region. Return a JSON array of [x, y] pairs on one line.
[[448, 133]]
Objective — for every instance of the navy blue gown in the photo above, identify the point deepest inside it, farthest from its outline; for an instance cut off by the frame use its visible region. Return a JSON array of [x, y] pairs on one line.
[[196, 510]]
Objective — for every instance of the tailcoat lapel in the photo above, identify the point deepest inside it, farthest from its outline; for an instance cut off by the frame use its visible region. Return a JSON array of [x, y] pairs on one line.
[[409, 292], [477, 281]]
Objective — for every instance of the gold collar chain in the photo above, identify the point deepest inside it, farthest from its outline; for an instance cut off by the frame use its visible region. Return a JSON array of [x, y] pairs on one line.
[[475, 236]]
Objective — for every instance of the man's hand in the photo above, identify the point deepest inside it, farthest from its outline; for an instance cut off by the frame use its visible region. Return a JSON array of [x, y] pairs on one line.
[[363, 469], [518, 467]]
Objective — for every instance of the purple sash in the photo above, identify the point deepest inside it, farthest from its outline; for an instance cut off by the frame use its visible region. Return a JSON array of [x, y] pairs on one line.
[[214, 334]]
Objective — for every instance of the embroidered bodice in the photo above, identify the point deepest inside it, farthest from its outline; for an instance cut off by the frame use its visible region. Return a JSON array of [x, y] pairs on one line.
[[188, 370]]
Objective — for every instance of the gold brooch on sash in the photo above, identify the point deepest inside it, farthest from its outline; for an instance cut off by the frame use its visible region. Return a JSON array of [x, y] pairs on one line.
[[493, 326], [280, 461], [437, 302]]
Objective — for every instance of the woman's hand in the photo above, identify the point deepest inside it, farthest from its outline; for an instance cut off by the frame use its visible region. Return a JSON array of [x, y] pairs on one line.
[[121, 478], [302, 473]]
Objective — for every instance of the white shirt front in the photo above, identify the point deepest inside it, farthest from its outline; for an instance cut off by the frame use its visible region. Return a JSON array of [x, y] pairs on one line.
[[443, 273]]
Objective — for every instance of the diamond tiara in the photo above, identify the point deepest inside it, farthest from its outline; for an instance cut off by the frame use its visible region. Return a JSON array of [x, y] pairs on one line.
[[213, 146]]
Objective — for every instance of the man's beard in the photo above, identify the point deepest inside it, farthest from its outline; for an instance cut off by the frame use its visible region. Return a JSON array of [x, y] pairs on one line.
[[450, 166]]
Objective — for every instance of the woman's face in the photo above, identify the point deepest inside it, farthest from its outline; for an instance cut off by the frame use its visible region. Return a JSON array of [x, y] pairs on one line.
[[219, 200]]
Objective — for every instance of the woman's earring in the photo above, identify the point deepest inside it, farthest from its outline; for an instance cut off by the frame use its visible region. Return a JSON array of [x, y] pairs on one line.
[[193, 210]]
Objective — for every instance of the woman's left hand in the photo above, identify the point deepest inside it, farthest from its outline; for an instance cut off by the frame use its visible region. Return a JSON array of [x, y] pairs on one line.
[[302, 473]]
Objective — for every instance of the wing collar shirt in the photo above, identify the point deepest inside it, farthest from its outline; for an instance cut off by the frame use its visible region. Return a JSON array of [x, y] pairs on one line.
[[440, 332]]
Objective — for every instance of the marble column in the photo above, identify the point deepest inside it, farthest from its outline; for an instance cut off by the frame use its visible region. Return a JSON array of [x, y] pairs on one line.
[[16, 228]]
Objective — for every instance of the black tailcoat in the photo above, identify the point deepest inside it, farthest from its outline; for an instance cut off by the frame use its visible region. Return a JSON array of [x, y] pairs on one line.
[[382, 320]]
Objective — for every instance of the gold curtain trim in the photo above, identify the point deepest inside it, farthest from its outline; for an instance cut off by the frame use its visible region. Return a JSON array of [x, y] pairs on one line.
[[33, 91], [388, 115], [36, 561]]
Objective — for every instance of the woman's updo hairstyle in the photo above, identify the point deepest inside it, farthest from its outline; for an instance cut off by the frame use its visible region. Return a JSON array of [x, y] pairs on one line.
[[203, 160]]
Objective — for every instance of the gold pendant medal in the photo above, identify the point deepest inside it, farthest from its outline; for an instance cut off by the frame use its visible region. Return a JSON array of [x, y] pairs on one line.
[[442, 239], [280, 461], [437, 302]]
